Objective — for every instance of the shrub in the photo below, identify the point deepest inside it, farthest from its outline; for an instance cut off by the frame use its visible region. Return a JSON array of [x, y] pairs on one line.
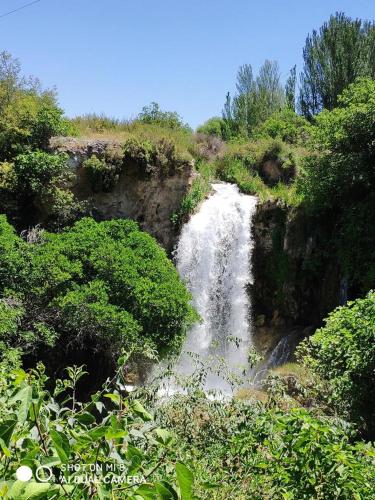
[[102, 175], [152, 114], [104, 285], [34, 171], [343, 352], [157, 158], [285, 125], [214, 126], [200, 187], [250, 450], [28, 120]]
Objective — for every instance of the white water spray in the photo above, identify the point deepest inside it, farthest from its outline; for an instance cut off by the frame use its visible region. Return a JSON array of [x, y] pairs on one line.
[[214, 259]]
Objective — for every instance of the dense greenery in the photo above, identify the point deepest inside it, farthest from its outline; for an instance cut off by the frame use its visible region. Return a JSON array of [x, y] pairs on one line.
[[154, 115], [192, 447], [110, 447], [343, 352], [74, 290], [342, 168], [29, 116], [341, 51], [105, 285], [338, 178]]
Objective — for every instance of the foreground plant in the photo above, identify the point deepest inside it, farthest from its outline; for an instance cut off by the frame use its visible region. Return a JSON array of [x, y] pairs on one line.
[[108, 447]]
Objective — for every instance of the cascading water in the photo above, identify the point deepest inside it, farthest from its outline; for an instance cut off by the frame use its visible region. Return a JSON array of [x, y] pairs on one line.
[[213, 257]]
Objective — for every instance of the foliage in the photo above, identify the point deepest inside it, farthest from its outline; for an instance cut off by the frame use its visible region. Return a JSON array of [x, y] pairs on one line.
[[340, 168], [199, 189], [169, 119], [214, 126], [190, 445], [343, 352], [290, 89], [243, 449], [285, 125], [334, 57], [29, 116], [37, 182], [160, 157], [255, 100], [103, 175], [34, 171], [108, 447], [106, 284]]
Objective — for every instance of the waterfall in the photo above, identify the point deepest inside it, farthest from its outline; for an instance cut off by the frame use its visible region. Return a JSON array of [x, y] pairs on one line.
[[213, 257]]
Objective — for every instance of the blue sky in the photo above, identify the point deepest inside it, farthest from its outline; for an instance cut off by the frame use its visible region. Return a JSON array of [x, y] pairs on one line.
[[115, 56]]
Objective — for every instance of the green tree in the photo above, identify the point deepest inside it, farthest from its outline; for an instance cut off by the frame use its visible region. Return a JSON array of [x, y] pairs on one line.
[[285, 125], [214, 126], [340, 168], [334, 57], [290, 89], [256, 98], [29, 115]]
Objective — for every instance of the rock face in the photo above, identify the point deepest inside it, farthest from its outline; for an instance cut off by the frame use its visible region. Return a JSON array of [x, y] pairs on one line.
[[148, 199], [296, 281]]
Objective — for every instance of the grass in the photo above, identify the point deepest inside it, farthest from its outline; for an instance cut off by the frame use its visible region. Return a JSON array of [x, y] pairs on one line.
[[109, 129]]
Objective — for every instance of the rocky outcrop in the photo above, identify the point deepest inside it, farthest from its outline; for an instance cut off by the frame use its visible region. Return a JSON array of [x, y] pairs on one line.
[[296, 279], [148, 198]]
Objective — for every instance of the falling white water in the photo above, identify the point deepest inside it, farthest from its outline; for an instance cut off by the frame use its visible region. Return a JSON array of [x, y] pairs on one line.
[[214, 259]]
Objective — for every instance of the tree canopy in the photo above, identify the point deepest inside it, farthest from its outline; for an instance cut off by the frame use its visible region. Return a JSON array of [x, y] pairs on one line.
[[342, 50]]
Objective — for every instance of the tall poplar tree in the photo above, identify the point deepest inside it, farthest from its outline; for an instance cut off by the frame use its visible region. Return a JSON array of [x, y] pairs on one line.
[[342, 50]]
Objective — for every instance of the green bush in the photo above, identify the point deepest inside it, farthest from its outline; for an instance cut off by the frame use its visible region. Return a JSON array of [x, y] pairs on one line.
[[199, 189], [107, 285], [285, 125], [152, 114], [247, 450], [343, 352], [102, 175], [154, 157], [214, 126], [37, 170]]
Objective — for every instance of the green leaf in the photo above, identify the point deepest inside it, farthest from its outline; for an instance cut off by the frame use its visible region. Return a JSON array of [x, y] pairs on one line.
[[85, 418], [97, 432], [113, 397], [185, 479], [61, 444], [113, 433], [163, 436], [146, 491], [25, 396], [141, 412], [5, 449], [6, 431], [165, 491]]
